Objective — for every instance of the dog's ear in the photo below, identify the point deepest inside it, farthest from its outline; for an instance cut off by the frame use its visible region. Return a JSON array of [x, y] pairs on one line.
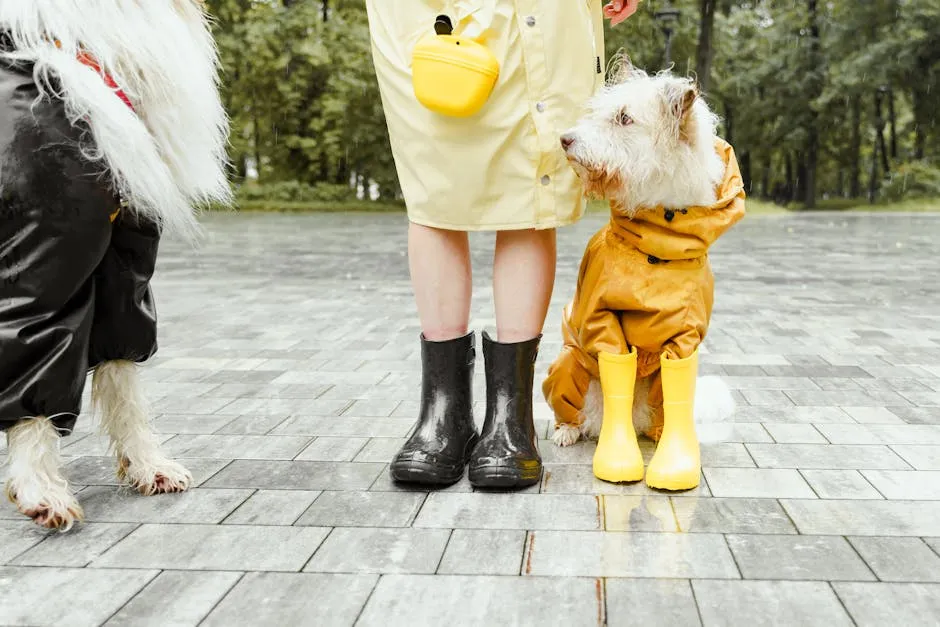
[[680, 97], [621, 69]]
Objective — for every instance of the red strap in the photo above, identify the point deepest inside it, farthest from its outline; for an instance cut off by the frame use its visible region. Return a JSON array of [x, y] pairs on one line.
[[90, 62]]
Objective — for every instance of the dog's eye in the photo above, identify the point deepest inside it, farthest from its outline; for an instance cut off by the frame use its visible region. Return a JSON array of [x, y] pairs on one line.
[[624, 119]]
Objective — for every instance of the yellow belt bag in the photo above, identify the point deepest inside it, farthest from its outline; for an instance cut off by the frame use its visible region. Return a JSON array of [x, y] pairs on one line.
[[453, 75]]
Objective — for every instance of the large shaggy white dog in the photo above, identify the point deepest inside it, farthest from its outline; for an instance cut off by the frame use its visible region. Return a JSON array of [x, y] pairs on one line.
[[111, 131]]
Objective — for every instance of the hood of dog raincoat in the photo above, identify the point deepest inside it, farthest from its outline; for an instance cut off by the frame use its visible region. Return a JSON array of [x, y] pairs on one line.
[[659, 233]]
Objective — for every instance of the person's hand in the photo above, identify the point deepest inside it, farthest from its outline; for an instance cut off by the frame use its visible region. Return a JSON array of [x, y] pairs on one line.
[[619, 10]]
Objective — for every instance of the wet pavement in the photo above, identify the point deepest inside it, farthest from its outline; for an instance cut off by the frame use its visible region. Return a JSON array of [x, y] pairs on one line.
[[288, 376]]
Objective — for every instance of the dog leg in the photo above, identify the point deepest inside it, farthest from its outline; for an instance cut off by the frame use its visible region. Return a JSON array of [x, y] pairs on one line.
[[118, 398], [643, 412], [36, 484]]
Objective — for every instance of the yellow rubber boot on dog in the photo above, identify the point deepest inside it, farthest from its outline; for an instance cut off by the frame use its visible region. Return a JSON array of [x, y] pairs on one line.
[[618, 458], [677, 463]]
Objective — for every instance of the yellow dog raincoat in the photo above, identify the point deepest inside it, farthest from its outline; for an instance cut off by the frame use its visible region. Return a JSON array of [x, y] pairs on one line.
[[644, 283]]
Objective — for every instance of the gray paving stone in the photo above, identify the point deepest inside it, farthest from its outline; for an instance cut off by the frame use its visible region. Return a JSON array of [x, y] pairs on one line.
[[797, 557], [293, 599], [363, 509], [920, 457], [650, 602], [282, 475], [910, 485], [192, 405], [326, 449], [899, 559], [235, 446], [272, 507], [717, 515], [380, 450], [757, 483], [840, 484], [76, 549], [873, 415], [907, 433], [66, 596], [252, 424], [819, 414], [175, 598], [209, 547], [849, 434], [638, 513], [104, 504], [469, 601], [102, 471], [17, 536], [402, 551], [865, 518], [826, 456], [765, 603], [184, 423], [509, 511], [616, 554], [725, 455], [94, 445], [346, 426], [871, 604], [733, 432], [580, 479], [795, 434], [384, 483], [483, 552]]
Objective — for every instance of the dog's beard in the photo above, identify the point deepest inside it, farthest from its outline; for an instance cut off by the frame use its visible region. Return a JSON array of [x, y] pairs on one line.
[[600, 183]]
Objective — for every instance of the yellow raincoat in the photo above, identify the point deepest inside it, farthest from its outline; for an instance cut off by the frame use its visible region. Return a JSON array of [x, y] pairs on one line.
[[644, 282], [503, 168]]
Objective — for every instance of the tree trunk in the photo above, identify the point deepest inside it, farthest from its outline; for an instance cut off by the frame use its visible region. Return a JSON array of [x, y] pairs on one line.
[[765, 183], [703, 60], [880, 133], [729, 123], [326, 10], [802, 179], [791, 181], [919, 98], [257, 134], [746, 171], [892, 123], [855, 148], [812, 131], [873, 175]]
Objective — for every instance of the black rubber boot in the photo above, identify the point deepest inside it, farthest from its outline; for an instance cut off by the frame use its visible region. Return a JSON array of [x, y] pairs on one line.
[[507, 455], [438, 450]]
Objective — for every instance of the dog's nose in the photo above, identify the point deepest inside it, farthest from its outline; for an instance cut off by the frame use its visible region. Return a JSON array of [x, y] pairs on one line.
[[567, 141]]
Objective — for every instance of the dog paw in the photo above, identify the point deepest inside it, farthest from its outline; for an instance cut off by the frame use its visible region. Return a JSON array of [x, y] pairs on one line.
[[53, 507], [157, 476], [566, 435]]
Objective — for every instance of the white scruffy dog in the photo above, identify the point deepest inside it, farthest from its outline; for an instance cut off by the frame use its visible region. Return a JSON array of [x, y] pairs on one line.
[[647, 143], [139, 80]]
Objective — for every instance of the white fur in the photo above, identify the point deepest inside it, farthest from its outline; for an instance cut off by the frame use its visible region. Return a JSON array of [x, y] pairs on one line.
[[35, 482], [652, 163], [118, 398], [713, 404], [167, 155]]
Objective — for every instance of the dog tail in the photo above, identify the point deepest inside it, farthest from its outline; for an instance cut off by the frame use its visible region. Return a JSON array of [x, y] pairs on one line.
[[714, 405]]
